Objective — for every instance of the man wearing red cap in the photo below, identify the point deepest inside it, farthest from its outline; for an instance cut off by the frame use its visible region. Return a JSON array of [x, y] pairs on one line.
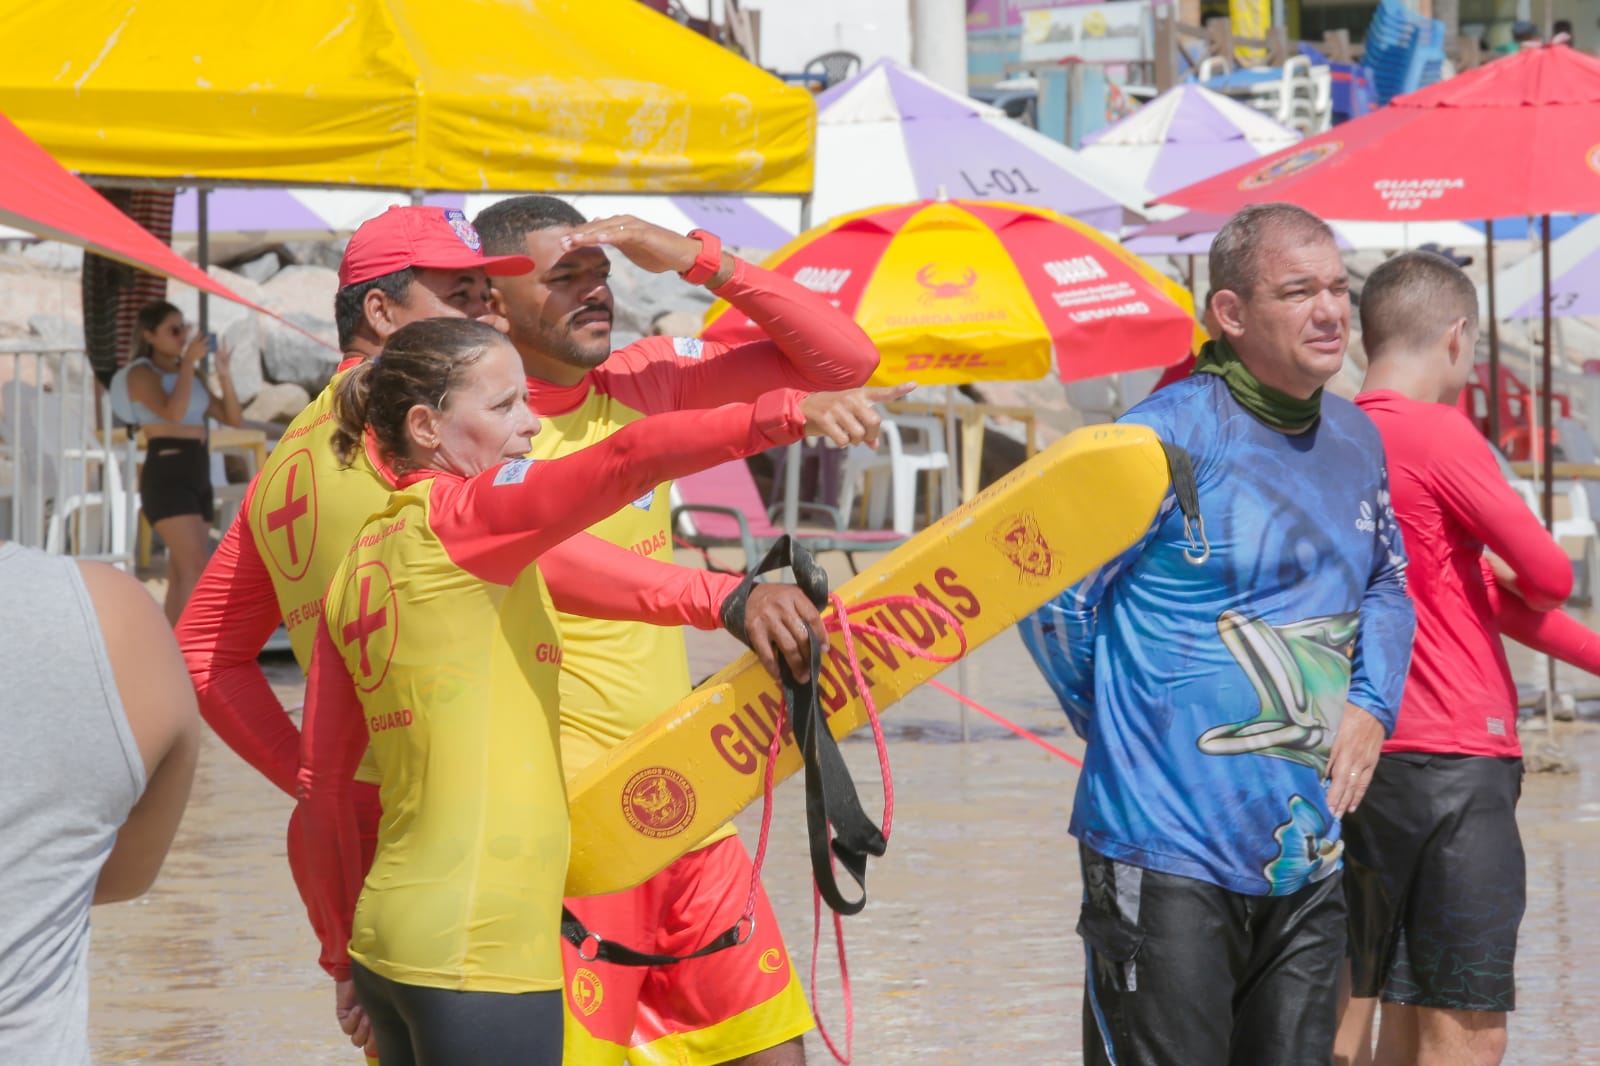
[[303, 510], [743, 1005]]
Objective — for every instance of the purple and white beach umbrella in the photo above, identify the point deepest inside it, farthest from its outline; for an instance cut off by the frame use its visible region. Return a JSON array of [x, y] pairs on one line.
[[889, 135], [1574, 277], [1185, 134], [269, 215]]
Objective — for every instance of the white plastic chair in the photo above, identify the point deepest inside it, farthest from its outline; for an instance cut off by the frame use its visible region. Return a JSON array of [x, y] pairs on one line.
[[111, 494], [1292, 98], [910, 444], [62, 467], [229, 495], [1322, 99]]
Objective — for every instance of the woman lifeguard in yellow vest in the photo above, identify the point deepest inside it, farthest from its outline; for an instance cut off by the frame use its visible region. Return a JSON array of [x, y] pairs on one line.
[[438, 646]]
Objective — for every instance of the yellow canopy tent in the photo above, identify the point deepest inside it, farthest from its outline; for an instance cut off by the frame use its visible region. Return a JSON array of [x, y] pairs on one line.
[[512, 95]]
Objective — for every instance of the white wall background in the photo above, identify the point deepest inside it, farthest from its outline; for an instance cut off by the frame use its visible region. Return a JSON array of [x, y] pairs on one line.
[[793, 31]]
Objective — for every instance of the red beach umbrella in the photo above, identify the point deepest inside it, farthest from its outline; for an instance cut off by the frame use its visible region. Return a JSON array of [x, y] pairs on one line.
[[1518, 136]]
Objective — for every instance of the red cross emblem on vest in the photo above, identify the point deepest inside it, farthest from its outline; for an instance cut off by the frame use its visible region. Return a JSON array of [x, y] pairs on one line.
[[368, 625], [287, 523]]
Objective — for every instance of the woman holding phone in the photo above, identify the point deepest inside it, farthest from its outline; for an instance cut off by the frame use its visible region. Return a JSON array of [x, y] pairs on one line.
[[161, 390]]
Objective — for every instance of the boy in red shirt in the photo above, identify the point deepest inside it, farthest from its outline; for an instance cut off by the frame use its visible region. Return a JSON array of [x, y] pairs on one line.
[[1435, 876]]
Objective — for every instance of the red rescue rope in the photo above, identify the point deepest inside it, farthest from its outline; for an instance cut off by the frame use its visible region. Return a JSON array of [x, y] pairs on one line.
[[681, 543], [841, 621], [1014, 727]]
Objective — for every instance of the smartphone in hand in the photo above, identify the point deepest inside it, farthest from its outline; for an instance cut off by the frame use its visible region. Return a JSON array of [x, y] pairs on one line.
[[211, 344]]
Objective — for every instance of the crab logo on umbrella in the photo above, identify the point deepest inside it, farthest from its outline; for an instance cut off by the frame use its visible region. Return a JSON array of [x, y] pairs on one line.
[[947, 290], [1594, 159], [1292, 164]]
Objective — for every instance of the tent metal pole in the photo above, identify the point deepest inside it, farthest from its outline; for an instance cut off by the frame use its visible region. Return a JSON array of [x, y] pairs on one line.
[[203, 224], [1494, 338], [805, 212]]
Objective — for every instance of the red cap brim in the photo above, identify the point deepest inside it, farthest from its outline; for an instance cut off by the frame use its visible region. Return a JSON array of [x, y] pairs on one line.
[[503, 265], [493, 265]]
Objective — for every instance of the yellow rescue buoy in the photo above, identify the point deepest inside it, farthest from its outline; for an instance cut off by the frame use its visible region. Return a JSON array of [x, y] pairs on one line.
[[990, 562]]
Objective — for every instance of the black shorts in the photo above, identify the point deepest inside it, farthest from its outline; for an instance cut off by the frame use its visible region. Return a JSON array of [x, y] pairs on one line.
[[1184, 973], [418, 1026], [176, 480], [1436, 882]]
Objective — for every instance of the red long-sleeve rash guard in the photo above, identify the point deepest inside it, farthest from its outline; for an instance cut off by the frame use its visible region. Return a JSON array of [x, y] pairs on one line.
[[494, 525], [811, 346], [1452, 502], [235, 611], [1553, 633]]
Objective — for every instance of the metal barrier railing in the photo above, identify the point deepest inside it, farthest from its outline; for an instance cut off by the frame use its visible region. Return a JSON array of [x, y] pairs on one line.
[[67, 472]]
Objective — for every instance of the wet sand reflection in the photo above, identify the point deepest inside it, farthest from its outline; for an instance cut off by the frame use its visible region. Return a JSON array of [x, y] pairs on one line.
[[965, 953]]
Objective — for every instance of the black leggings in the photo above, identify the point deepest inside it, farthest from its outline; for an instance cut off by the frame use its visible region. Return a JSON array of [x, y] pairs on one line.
[[417, 1026]]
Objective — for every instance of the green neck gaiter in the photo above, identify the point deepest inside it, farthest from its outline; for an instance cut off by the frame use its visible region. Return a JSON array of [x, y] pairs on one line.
[[1277, 409]]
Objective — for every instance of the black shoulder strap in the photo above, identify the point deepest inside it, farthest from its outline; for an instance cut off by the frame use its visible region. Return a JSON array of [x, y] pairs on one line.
[[1180, 470]]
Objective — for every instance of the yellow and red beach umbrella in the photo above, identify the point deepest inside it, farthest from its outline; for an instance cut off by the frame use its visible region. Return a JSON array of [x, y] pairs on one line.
[[963, 290]]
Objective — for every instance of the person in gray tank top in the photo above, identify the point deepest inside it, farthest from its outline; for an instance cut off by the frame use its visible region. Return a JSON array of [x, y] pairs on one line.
[[101, 733]]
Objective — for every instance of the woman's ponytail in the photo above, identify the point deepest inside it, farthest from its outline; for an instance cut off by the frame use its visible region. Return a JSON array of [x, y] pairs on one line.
[[350, 399]]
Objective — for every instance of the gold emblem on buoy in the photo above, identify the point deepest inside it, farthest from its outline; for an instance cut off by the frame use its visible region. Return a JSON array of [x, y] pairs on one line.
[[658, 802], [1022, 542]]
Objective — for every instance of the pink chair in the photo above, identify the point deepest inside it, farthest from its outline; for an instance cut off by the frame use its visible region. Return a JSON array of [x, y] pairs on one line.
[[721, 508]]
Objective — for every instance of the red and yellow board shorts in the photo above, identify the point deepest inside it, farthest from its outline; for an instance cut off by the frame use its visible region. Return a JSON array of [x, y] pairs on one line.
[[706, 1010]]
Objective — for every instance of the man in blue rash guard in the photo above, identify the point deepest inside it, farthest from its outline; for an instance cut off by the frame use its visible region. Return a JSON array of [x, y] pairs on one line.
[[1234, 705]]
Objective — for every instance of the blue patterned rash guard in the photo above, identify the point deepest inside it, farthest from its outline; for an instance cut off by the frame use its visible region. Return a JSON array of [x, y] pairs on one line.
[[1210, 693]]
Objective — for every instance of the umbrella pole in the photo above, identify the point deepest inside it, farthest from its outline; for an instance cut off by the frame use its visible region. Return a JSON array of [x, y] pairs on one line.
[[1547, 459], [949, 500], [203, 255], [1494, 339], [791, 488], [791, 466], [1546, 400]]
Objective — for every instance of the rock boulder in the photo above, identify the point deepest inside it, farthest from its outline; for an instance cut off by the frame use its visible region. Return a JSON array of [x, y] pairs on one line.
[[288, 355], [243, 339], [277, 403]]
